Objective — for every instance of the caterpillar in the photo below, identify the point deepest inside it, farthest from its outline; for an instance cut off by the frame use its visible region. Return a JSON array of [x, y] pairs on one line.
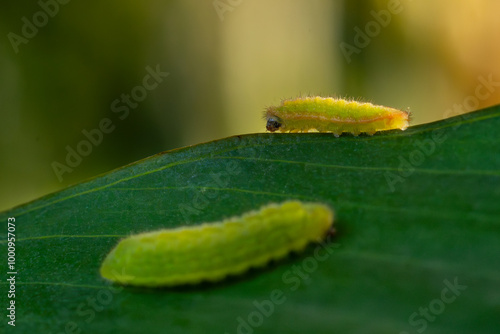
[[212, 251], [327, 114]]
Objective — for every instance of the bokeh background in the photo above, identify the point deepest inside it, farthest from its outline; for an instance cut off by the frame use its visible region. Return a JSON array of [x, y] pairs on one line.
[[64, 62]]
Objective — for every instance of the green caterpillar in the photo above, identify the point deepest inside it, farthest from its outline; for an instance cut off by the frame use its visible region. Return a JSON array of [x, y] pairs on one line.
[[326, 114], [210, 252]]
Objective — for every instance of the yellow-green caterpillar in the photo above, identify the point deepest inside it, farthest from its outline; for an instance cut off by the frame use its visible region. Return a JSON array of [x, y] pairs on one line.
[[210, 252], [326, 114]]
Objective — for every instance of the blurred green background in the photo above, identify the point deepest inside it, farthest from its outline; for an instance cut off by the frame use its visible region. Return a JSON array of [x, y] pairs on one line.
[[63, 64]]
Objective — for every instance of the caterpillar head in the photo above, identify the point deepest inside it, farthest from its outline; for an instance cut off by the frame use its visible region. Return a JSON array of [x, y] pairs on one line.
[[273, 123]]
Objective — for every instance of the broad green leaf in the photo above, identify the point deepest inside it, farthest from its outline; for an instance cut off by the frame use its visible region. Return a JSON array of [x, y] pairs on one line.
[[416, 212]]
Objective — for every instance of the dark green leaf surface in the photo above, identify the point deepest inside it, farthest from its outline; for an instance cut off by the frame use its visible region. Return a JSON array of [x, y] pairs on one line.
[[416, 211]]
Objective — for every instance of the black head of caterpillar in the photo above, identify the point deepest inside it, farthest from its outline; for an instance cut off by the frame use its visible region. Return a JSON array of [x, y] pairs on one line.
[[273, 123]]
